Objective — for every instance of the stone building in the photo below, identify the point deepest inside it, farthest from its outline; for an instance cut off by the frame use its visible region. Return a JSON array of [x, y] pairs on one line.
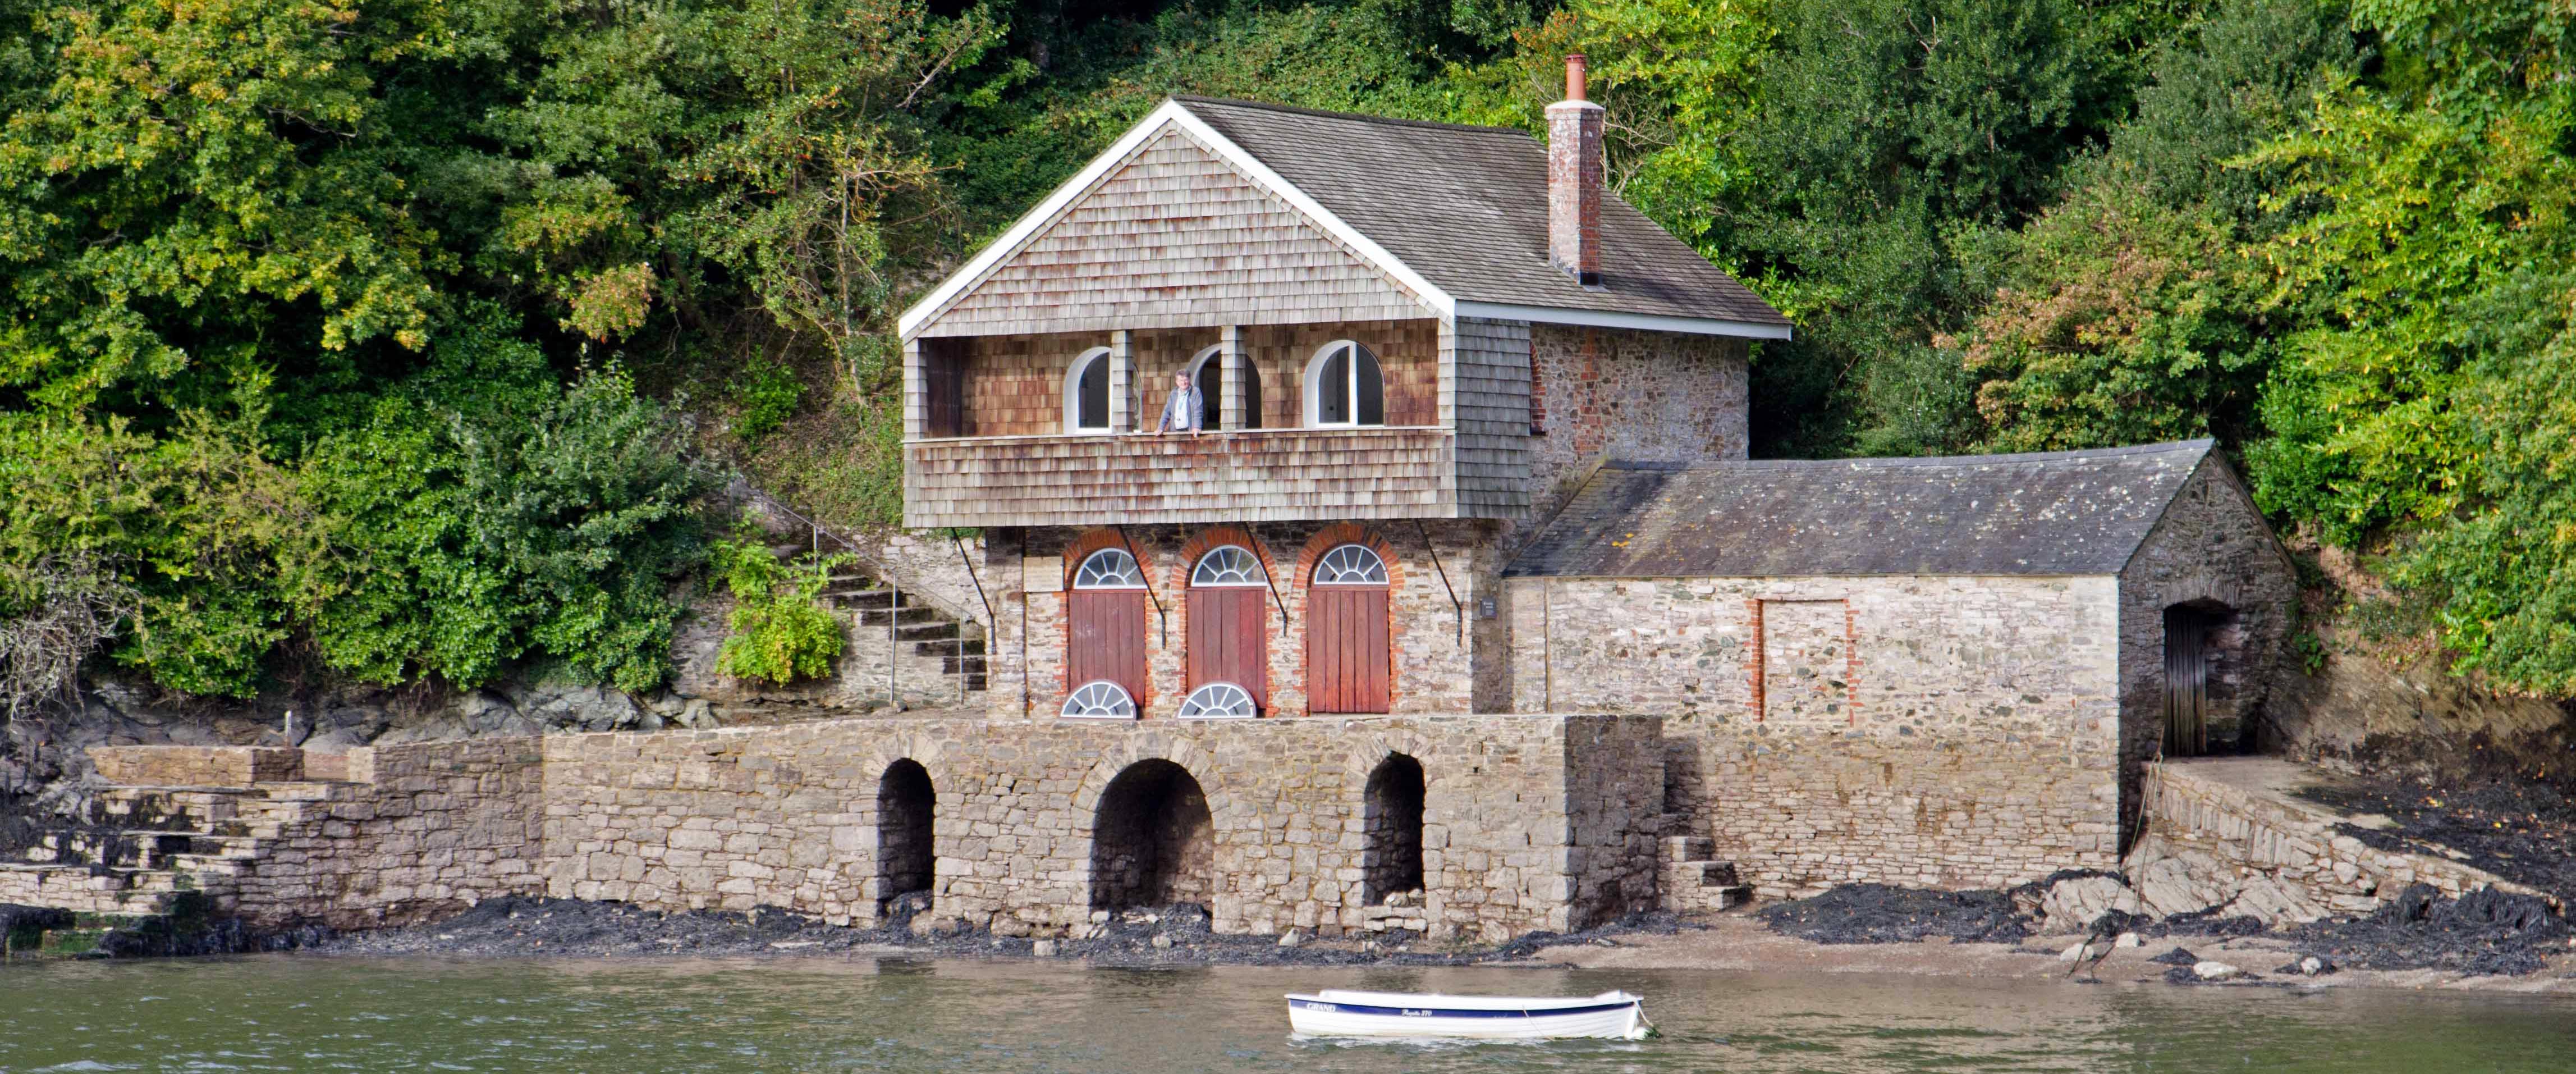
[[1464, 587], [1940, 672]]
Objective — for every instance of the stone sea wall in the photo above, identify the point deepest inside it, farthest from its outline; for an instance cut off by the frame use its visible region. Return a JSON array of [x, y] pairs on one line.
[[1527, 822], [788, 817], [2219, 828]]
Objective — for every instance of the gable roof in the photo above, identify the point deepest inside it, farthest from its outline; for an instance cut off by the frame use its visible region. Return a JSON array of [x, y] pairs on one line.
[[1456, 214], [2057, 513]]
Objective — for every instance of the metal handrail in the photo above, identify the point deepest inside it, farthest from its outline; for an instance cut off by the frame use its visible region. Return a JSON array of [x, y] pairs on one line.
[[894, 589]]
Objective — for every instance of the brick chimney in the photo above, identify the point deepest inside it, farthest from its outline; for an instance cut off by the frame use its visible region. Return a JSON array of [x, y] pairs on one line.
[[1574, 180]]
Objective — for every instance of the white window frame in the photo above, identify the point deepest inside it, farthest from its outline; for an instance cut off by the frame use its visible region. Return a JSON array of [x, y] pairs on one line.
[[1313, 395], [1124, 701], [1260, 573], [1324, 562], [1201, 703], [1073, 393], [1122, 553]]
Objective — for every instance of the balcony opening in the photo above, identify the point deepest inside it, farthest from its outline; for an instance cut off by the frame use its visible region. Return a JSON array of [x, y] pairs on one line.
[[1345, 387], [1207, 373], [1086, 392]]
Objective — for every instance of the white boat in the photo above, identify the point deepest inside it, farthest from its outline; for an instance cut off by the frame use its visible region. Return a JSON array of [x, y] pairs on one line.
[[1343, 1013]]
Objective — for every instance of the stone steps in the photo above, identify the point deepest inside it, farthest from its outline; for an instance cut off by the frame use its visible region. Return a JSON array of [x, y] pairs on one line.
[[1694, 880], [872, 605]]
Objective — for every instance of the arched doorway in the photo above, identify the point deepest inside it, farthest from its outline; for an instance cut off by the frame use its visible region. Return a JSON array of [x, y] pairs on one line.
[[906, 804], [1105, 635], [1229, 635], [1350, 661], [1207, 374], [1152, 840], [1392, 818]]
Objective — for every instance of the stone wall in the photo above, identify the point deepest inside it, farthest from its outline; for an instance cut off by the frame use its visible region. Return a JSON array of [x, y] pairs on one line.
[[1518, 829], [2219, 811], [2213, 550], [1431, 652], [1943, 732], [1015, 383], [1635, 396]]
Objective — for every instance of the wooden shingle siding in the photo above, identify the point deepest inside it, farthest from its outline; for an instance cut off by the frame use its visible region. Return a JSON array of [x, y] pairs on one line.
[[1175, 237], [1015, 383], [1488, 402], [1265, 476]]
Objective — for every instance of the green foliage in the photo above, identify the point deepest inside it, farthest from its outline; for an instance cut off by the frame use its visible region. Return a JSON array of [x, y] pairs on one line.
[[780, 630], [764, 397]]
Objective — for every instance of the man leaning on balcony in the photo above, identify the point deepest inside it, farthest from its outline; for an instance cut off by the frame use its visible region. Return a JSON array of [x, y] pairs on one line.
[[1182, 413]]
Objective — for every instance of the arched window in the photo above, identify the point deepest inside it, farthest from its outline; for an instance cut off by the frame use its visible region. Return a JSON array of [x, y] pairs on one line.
[[1100, 700], [1207, 374], [1109, 568], [1086, 392], [1218, 701], [1345, 387], [1350, 564], [1227, 565]]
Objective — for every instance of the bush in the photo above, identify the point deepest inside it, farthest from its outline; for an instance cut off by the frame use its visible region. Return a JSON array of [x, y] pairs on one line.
[[780, 629]]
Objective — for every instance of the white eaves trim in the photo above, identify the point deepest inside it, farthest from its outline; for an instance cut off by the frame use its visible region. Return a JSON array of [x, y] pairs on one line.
[[1644, 322], [1174, 113]]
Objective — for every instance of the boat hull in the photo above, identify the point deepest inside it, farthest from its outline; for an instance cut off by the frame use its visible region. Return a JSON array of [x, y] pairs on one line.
[[1620, 1019]]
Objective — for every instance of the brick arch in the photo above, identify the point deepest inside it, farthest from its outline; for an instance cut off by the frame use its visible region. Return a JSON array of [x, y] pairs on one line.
[[1337, 534], [1209, 540], [1093, 540]]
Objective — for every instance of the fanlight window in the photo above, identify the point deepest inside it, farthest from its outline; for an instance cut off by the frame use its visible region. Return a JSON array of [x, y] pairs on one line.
[[1350, 564], [1218, 701], [1100, 700], [1086, 393], [1109, 568], [1345, 387], [1229, 565]]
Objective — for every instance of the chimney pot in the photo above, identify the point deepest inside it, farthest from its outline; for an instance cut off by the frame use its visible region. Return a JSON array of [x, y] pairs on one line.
[[1574, 180]]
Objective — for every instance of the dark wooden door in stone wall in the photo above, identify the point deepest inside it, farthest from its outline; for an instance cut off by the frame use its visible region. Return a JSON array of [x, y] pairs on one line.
[[1105, 624], [1349, 650], [2187, 632], [1229, 630]]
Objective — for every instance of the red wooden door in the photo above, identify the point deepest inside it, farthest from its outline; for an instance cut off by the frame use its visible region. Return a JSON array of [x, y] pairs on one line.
[[1108, 639], [1229, 639], [1349, 662]]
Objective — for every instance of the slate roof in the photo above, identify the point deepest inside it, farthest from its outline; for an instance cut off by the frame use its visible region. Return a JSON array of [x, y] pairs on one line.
[[2059, 513], [1467, 208]]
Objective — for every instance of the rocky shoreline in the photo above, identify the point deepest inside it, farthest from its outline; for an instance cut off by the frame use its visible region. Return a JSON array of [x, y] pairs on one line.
[[1170, 935]]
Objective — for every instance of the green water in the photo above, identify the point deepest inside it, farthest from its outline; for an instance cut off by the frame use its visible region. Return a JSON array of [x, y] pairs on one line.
[[309, 1013]]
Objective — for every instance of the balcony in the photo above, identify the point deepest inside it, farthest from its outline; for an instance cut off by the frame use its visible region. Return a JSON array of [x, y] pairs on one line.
[[1264, 475]]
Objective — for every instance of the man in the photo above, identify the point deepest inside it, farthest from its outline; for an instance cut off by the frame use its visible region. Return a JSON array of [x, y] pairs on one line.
[[1182, 413]]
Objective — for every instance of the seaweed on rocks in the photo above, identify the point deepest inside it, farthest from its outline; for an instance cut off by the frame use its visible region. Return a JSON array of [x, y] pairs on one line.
[[1182, 933], [2483, 933], [2177, 957], [1880, 913], [2523, 830]]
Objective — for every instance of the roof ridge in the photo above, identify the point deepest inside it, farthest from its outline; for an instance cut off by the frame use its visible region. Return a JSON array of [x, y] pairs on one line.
[[1362, 117], [2199, 446]]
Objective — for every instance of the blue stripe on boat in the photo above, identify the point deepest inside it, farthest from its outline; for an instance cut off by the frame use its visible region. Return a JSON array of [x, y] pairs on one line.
[[1437, 1012]]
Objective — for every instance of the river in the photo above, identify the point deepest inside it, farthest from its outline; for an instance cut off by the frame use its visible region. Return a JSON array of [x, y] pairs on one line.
[[813, 1014]]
